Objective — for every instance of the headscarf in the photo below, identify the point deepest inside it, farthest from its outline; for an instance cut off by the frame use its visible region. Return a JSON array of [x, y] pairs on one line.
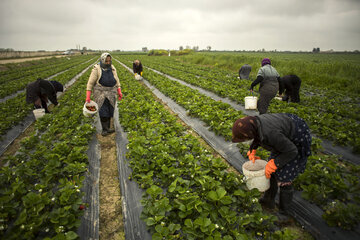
[[137, 62], [265, 61], [244, 129], [58, 86], [102, 61]]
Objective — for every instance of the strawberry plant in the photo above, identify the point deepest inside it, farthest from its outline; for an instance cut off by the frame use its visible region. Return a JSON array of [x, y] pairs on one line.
[[41, 185], [189, 194], [318, 183]]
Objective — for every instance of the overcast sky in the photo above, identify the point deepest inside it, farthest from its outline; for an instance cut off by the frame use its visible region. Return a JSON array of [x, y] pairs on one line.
[[167, 24]]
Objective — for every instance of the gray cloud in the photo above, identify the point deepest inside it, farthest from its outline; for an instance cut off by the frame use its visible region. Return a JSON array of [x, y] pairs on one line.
[[226, 24]]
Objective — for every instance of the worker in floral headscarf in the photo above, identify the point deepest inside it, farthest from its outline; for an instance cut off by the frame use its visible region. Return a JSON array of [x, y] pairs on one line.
[[105, 84], [269, 79], [288, 139]]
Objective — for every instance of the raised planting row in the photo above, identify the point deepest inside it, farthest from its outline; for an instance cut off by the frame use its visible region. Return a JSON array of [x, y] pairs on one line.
[[189, 193], [220, 117], [12, 68], [230, 77], [324, 113], [40, 193], [12, 86], [14, 110], [35, 68], [338, 73]]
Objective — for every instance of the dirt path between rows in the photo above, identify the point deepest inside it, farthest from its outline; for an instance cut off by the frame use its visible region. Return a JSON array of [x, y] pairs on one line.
[[111, 226]]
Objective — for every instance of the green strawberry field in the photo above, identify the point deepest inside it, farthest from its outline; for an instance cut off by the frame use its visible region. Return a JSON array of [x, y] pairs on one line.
[[188, 191]]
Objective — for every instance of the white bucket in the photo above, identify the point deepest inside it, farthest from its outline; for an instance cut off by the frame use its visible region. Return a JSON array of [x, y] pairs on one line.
[[255, 175], [250, 102], [38, 113], [137, 76], [87, 112]]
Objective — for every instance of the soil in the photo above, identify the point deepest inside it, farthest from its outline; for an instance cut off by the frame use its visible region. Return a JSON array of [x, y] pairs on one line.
[[11, 150], [111, 224]]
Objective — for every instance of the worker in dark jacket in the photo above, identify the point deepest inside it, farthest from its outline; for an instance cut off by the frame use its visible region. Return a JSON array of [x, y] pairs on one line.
[[268, 78], [244, 71], [137, 67], [290, 86], [40, 91], [288, 139]]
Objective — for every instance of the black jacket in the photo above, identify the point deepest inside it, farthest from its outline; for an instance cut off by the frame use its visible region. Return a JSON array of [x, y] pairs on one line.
[[275, 134], [290, 84], [137, 68], [41, 89]]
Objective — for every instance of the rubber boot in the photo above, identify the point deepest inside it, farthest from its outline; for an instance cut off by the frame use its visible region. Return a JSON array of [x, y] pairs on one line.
[[110, 130], [286, 196], [268, 200], [105, 126]]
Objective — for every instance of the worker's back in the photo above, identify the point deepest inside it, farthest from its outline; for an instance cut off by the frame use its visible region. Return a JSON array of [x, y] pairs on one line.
[[244, 71]]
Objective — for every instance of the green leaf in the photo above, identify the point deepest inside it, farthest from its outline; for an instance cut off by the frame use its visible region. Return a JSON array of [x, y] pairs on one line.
[[202, 222], [172, 186], [71, 235], [154, 191], [219, 194], [226, 200], [188, 223], [150, 221], [240, 193], [157, 236]]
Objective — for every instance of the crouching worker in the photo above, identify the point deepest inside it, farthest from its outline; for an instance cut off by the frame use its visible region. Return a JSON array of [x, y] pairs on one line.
[[137, 67], [105, 84], [290, 86], [288, 139], [244, 71], [40, 91]]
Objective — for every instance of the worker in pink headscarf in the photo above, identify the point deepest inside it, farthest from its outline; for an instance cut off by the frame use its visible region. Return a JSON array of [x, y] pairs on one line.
[[269, 79]]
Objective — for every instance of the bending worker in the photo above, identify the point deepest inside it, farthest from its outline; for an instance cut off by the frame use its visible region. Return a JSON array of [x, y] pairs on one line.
[[290, 86], [288, 139], [244, 71], [40, 91], [105, 84], [268, 78], [137, 67]]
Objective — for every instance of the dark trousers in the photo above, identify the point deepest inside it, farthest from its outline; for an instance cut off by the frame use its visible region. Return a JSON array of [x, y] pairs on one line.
[[267, 93], [43, 105]]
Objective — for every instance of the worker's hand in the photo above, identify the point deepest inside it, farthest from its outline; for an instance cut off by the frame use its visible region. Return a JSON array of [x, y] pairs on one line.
[[270, 168], [141, 73], [119, 93], [88, 94], [252, 156]]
